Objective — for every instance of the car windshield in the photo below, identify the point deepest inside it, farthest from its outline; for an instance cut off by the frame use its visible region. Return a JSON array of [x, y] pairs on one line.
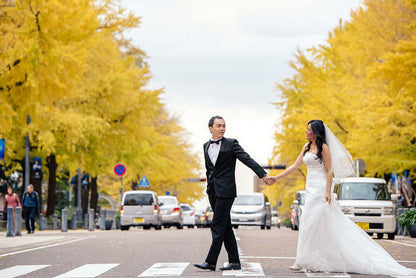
[[167, 201], [363, 191], [246, 200], [301, 199], [138, 200], [186, 208]]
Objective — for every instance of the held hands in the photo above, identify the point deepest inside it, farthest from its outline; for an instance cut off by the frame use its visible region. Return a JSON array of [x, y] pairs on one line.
[[270, 180]]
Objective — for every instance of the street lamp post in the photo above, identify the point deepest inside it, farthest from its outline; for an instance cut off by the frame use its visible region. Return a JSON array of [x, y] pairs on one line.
[[175, 193]]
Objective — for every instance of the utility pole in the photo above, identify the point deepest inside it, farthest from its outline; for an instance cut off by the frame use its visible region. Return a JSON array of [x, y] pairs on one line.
[[27, 162]]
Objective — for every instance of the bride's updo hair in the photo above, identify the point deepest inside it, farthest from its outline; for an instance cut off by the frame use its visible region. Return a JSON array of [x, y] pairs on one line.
[[318, 129]]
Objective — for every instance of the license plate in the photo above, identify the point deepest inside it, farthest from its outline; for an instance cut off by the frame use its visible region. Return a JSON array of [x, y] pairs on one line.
[[138, 220], [364, 226]]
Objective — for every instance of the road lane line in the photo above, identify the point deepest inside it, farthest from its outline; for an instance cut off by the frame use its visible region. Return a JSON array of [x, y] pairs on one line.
[[165, 269], [46, 246], [19, 270], [402, 243], [260, 257], [87, 271]]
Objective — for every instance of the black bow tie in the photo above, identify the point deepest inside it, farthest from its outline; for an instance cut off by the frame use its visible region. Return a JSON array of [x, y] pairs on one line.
[[216, 141]]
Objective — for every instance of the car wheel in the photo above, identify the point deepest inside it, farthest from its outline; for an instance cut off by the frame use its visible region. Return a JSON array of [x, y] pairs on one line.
[[295, 227], [179, 226], [262, 227], [235, 226], [380, 235], [391, 236], [124, 228], [158, 227], [268, 227]]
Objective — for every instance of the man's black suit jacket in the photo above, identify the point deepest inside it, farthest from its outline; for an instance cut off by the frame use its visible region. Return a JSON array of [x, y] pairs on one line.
[[221, 177]]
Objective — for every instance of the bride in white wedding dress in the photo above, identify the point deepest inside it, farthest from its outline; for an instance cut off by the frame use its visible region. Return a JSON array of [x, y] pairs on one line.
[[329, 241]]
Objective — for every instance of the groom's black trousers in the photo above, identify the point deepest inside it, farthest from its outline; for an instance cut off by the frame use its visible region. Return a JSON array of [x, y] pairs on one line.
[[222, 230]]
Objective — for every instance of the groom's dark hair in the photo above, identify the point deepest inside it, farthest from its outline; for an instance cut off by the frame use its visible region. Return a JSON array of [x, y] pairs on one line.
[[211, 121]]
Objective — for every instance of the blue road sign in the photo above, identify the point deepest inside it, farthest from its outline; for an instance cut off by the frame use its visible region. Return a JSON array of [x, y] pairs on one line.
[[144, 182], [120, 169], [2, 146]]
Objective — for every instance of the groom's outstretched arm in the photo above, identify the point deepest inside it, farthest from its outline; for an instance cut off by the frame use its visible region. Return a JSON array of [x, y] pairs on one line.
[[247, 160]]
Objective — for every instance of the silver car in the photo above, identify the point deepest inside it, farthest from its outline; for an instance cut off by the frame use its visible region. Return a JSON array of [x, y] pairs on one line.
[[171, 212], [297, 207], [251, 210], [140, 208], [188, 215]]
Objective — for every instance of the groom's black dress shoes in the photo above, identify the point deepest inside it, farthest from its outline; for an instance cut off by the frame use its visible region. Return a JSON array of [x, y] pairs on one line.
[[205, 265], [231, 266]]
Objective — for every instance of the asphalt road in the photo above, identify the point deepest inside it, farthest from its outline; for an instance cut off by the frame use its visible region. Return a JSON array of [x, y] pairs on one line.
[[166, 253]]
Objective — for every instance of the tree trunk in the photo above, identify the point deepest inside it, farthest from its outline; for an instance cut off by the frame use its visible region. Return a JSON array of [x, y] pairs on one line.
[[52, 166], [94, 194], [84, 199]]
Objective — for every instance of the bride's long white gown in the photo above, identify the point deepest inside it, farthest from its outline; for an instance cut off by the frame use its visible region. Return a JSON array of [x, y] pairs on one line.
[[329, 241]]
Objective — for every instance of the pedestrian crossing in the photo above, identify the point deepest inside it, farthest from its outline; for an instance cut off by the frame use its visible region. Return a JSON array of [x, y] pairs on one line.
[[156, 270]]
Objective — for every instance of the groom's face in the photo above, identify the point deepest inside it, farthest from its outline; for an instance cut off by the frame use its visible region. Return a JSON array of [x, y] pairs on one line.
[[217, 129]]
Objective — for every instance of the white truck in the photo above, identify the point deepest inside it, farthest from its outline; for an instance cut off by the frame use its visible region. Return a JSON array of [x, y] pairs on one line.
[[367, 202]]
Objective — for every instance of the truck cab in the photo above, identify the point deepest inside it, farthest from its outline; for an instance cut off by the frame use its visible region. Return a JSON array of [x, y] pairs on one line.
[[367, 202]]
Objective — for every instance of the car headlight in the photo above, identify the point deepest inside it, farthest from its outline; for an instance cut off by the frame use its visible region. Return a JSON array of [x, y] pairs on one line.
[[388, 211], [346, 210]]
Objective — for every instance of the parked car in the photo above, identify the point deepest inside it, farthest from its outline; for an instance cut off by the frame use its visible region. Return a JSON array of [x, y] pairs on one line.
[[251, 210], [188, 215], [209, 214], [367, 202], [171, 212], [140, 208], [276, 220], [297, 207], [200, 220]]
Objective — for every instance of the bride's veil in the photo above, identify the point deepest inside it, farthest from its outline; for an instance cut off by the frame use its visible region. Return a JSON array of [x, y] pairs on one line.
[[341, 159]]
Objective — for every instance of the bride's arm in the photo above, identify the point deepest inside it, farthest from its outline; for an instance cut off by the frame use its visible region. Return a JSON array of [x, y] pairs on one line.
[[292, 168], [326, 156]]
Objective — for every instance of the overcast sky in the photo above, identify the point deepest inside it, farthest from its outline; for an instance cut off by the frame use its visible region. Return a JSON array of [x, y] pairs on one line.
[[225, 56]]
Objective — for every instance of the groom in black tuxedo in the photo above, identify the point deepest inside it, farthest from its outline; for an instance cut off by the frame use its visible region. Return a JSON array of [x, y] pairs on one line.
[[220, 158]]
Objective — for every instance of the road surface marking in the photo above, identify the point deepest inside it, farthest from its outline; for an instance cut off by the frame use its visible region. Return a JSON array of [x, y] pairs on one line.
[[326, 275], [165, 269], [46, 246], [247, 269], [19, 270], [277, 258], [402, 243], [87, 271]]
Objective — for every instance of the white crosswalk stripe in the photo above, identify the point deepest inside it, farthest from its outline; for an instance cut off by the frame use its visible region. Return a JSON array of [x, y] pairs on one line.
[[247, 269], [165, 269], [87, 271], [19, 270], [326, 275]]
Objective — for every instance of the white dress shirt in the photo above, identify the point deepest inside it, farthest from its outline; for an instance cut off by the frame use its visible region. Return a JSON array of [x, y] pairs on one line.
[[213, 151]]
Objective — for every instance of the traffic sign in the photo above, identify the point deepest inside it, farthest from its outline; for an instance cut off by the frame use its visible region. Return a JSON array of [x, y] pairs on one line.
[[120, 169], [144, 182]]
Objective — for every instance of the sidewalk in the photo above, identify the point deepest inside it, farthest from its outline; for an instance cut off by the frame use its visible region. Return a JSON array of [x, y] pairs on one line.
[[39, 238]]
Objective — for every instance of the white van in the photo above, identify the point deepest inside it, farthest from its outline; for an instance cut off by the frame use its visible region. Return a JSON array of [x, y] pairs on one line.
[[367, 202], [140, 208]]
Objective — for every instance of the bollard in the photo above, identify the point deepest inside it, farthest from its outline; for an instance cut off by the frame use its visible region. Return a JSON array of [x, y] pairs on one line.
[[42, 221], [86, 221], [18, 223], [91, 221], [113, 217], [10, 220], [74, 221], [55, 222], [102, 219], [64, 221]]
